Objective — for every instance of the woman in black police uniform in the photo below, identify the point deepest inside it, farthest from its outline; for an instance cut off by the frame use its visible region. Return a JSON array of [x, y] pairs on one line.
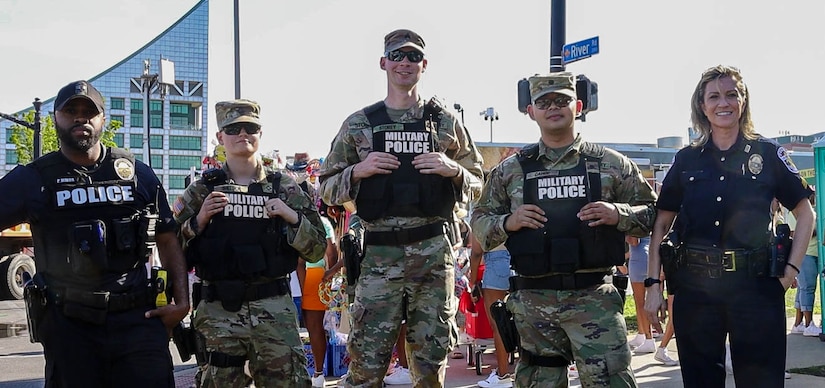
[[85, 203], [721, 186]]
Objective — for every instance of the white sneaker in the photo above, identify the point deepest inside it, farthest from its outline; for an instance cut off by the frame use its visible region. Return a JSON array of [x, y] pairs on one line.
[[812, 330], [496, 381], [572, 372], [662, 356], [399, 376], [637, 341], [649, 346], [318, 381], [787, 375], [798, 329]]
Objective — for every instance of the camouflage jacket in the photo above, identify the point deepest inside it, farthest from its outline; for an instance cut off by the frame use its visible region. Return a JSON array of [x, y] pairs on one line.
[[309, 238], [622, 184], [354, 142]]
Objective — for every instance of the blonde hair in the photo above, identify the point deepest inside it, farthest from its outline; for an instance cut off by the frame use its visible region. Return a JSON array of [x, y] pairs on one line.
[[700, 121]]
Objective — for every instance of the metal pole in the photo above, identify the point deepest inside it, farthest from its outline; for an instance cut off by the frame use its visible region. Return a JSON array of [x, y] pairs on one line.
[[557, 31], [38, 148], [147, 88], [237, 53], [491, 129]]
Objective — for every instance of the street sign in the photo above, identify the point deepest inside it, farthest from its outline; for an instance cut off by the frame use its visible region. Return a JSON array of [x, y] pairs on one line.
[[580, 50]]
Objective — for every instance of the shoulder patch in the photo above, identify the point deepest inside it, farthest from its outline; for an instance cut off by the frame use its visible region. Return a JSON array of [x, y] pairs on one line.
[[124, 168], [785, 158]]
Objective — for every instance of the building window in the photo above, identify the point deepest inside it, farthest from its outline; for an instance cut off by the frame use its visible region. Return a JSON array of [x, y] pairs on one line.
[[117, 103], [185, 143], [119, 138], [182, 116], [135, 140], [177, 181], [119, 118], [136, 113], [156, 142], [11, 157], [172, 198], [184, 162], [157, 161], [156, 114]]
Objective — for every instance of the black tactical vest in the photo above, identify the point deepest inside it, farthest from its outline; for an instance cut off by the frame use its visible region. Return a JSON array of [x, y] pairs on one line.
[[565, 244], [93, 226], [242, 242], [405, 192]]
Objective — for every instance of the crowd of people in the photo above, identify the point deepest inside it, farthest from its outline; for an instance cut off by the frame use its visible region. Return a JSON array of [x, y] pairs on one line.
[[549, 224]]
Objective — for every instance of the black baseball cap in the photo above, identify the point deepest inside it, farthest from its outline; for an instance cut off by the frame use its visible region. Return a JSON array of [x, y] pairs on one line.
[[79, 89]]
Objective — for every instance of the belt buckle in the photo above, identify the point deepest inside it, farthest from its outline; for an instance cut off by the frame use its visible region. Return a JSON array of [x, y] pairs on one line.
[[729, 261]]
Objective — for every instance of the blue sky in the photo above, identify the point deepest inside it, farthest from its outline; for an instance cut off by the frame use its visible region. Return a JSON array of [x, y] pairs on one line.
[[312, 63]]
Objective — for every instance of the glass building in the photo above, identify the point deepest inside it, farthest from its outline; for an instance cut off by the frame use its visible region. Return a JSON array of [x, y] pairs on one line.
[[177, 121]]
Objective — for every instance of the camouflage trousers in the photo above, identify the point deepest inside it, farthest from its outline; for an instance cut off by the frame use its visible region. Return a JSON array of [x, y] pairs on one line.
[[264, 331], [582, 325], [423, 273]]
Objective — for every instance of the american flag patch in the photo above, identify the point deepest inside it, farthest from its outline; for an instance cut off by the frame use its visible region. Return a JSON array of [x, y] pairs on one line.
[[178, 206]]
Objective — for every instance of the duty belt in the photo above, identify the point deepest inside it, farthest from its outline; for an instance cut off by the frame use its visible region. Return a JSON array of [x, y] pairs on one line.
[[713, 262], [103, 300], [220, 290], [405, 236], [572, 281]]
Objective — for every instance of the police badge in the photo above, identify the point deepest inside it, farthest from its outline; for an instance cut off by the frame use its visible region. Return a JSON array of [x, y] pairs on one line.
[[124, 168], [755, 164]]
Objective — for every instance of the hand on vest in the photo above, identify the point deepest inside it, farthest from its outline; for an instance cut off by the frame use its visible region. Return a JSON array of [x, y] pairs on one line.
[[275, 207], [526, 216], [212, 204], [599, 213], [436, 163], [375, 163]]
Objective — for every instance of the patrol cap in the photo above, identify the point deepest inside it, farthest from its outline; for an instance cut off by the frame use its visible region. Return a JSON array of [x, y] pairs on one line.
[[237, 111], [562, 83], [79, 89], [403, 38]]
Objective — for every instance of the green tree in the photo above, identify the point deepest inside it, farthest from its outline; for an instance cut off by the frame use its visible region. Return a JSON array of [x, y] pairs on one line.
[[23, 138]]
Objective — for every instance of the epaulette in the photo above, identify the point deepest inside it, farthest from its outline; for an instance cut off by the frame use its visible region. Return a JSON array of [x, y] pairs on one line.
[[591, 149]]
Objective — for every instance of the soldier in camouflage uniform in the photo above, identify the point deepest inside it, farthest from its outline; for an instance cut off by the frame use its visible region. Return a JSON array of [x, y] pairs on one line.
[[404, 163], [245, 230], [562, 207]]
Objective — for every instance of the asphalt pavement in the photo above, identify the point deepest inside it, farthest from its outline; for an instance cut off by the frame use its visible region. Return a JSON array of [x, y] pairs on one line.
[[802, 352]]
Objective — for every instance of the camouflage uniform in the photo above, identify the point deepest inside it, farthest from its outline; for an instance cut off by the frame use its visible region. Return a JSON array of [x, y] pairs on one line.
[[265, 331], [422, 271], [585, 325]]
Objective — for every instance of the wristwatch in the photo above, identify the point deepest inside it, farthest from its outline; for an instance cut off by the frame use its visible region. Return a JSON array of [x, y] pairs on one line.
[[651, 281]]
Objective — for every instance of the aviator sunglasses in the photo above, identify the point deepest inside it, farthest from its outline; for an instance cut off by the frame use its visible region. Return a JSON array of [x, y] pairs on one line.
[[560, 101], [235, 129], [398, 56]]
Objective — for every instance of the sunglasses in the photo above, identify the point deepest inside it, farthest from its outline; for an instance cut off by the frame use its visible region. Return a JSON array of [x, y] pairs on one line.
[[560, 101], [398, 56], [235, 129]]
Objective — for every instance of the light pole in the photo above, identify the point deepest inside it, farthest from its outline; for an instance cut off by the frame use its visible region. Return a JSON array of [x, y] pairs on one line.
[[162, 80], [490, 114], [460, 110], [35, 126]]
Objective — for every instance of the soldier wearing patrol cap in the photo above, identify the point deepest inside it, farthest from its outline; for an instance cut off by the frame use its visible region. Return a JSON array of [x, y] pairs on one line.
[[405, 163], [245, 226], [562, 206], [721, 187], [95, 213]]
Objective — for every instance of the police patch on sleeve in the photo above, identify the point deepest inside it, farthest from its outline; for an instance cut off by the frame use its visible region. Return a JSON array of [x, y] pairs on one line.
[[124, 168], [785, 158]]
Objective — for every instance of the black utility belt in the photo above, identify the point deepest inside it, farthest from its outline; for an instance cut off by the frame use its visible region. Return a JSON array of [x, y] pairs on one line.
[[405, 236], [238, 290], [103, 300], [572, 281], [714, 261]]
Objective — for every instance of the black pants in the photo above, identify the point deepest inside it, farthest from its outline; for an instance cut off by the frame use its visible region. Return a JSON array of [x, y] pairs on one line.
[[129, 350], [751, 310]]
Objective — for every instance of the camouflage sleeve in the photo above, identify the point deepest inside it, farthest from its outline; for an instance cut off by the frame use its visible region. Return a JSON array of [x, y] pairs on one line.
[[633, 196], [463, 150], [500, 194], [336, 186], [309, 238], [187, 206]]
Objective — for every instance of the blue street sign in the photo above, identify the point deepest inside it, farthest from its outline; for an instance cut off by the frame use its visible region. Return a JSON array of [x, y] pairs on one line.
[[580, 50]]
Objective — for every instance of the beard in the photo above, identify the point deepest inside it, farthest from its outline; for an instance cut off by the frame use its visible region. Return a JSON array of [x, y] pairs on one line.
[[83, 144]]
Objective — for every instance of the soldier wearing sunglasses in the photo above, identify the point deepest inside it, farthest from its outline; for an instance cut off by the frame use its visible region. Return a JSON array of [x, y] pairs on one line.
[[562, 207], [405, 163], [245, 226]]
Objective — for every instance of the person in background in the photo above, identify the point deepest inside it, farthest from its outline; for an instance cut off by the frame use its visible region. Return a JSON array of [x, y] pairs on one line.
[[721, 186], [245, 226], [405, 162], [91, 209], [806, 283], [637, 270]]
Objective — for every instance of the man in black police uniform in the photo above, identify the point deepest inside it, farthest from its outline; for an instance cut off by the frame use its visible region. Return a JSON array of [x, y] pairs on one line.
[[92, 209]]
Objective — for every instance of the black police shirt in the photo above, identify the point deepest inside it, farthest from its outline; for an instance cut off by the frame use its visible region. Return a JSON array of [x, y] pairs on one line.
[[723, 197]]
